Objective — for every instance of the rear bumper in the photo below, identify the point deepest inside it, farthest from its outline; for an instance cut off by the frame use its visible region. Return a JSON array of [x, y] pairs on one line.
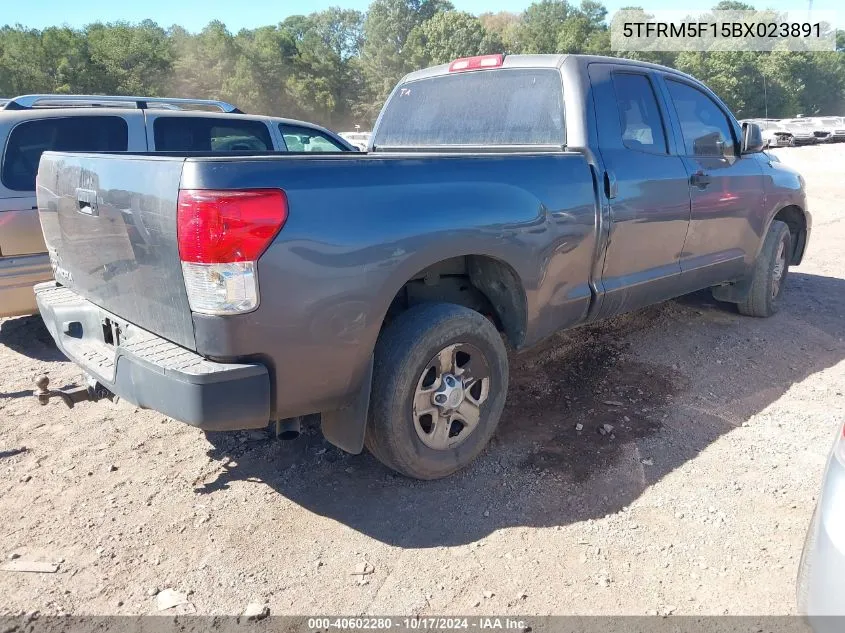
[[18, 274], [154, 373]]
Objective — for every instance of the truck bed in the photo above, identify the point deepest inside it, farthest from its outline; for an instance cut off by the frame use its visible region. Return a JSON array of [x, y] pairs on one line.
[[358, 228]]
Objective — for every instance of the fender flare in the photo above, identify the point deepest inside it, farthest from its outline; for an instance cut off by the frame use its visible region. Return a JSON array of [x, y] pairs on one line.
[[346, 427], [803, 237]]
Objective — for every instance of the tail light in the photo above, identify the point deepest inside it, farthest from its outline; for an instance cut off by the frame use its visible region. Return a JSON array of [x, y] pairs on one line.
[[221, 235], [476, 63]]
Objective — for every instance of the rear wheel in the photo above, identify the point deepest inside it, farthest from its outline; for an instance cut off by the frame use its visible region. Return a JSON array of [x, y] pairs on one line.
[[769, 274], [439, 384]]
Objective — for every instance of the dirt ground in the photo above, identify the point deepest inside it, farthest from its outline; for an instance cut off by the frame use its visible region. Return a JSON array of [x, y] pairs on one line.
[[697, 504]]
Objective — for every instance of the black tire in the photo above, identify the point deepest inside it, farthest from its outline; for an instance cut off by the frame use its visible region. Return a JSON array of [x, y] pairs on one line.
[[405, 349], [763, 299]]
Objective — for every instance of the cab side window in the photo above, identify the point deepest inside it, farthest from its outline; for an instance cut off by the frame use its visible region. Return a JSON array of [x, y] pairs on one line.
[[639, 114], [704, 125]]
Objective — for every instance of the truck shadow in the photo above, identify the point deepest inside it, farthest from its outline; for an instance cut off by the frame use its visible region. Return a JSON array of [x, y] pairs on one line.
[[667, 381], [29, 336]]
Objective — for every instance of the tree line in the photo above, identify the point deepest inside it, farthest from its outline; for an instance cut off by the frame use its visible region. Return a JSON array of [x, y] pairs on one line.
[[336, 67]]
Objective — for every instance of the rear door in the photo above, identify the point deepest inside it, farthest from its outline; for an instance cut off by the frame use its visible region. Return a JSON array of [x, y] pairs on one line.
[[20, 231], [647, 187], [727, 189]]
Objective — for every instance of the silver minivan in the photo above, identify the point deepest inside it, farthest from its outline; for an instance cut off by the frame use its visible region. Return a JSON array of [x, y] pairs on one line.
[[32, 124]]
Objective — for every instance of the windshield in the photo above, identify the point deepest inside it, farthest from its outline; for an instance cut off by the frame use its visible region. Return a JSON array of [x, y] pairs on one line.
[[488, 107]]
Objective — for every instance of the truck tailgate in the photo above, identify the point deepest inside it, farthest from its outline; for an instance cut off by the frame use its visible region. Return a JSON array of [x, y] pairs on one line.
[[109, 222]]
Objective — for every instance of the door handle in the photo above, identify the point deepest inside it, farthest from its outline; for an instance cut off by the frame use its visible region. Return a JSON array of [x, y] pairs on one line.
[[610, 186], [87, 201], [700, 179]]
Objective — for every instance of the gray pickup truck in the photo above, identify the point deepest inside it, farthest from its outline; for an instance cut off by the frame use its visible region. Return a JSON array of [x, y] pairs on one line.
[[500, 195]]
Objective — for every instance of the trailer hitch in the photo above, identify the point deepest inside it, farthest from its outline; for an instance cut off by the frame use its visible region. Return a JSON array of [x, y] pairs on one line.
[[92, 392]]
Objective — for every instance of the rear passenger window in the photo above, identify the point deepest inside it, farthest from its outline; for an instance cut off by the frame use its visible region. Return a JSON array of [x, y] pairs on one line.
[[72, 134], [639, 114], [704, 124], [198, 134]]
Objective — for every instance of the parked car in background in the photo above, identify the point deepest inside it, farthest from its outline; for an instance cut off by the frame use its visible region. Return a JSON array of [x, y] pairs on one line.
[[836, 125], [803, 132], [774, 133], [376, 288], [32, 124], [821, 573], [823, 133], [358, 139]]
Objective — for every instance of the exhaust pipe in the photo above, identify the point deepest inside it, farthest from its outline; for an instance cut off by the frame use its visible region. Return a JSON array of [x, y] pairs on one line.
[[289, 428]]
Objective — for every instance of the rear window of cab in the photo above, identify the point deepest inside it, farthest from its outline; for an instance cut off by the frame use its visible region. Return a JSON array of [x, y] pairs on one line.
[[506, 106]]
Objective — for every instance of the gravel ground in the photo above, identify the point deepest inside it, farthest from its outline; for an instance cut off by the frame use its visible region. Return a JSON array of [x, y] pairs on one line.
[[696, 504]]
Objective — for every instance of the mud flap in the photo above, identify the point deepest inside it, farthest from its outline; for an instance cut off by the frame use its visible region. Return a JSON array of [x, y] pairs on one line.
[[735, 292], [345, 427]]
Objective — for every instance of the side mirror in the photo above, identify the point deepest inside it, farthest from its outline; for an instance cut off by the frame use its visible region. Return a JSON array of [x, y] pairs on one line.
[[752, 138]]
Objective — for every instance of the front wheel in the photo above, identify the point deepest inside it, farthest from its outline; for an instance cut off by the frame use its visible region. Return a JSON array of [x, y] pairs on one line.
[[769, 275], [439, 384]]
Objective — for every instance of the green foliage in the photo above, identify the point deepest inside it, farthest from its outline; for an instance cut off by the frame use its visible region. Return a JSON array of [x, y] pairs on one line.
[[449, 35], [385, 57], [337, 66], [541, 26]]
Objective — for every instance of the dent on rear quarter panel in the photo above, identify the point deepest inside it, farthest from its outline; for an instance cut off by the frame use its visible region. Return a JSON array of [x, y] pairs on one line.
[[360, 227]]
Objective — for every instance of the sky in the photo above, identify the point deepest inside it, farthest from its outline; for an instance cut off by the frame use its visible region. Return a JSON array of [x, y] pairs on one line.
[[195, 14]]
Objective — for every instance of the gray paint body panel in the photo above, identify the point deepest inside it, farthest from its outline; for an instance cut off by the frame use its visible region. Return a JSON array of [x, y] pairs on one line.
[[360, 227]]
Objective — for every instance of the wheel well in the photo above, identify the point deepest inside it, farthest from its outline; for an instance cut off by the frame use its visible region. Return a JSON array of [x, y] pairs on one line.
[[794, 218], [481, 283]]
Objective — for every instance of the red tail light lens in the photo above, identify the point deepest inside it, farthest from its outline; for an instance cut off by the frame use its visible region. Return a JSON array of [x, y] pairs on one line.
[[228, 226], [476, 63]]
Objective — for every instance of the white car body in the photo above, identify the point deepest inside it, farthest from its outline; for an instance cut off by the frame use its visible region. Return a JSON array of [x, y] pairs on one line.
[[835, 124], [803, 131], [361, 140]]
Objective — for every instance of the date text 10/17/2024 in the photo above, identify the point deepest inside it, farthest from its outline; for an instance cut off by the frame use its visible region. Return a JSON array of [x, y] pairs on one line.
[[420, 623]]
